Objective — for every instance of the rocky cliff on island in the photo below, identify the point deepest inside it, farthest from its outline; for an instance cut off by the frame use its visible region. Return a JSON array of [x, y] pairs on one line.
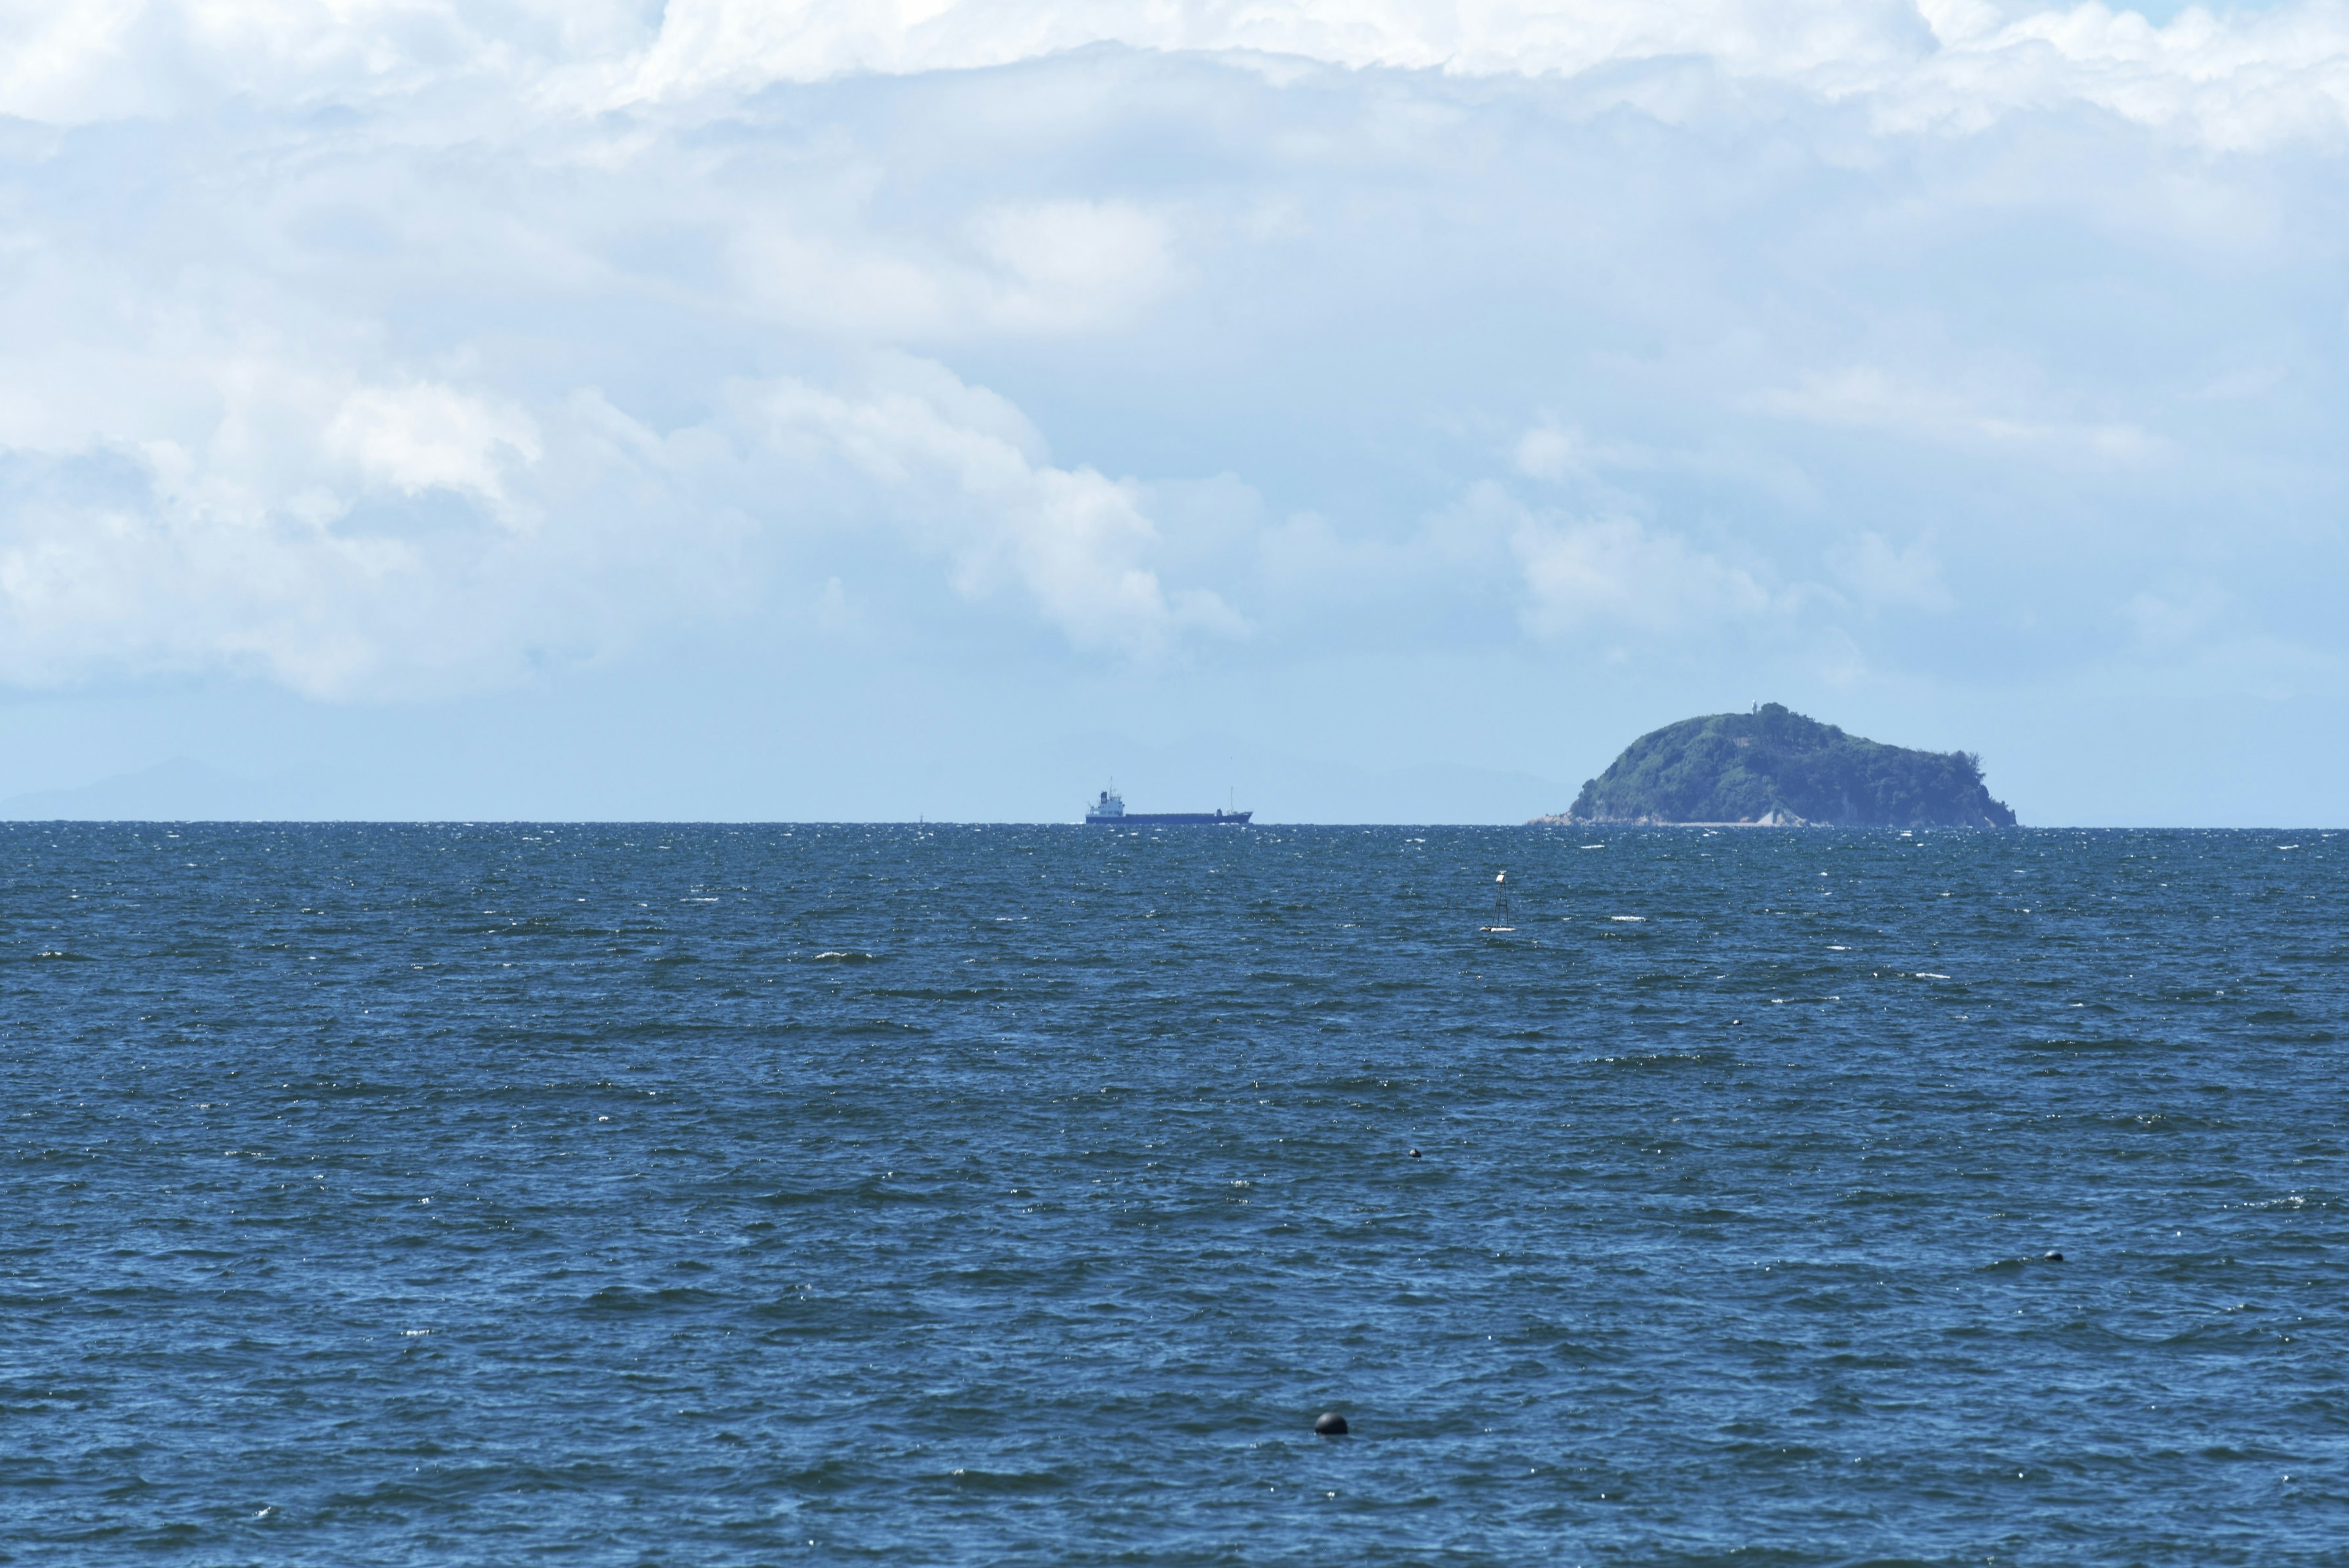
[[1775, 768]]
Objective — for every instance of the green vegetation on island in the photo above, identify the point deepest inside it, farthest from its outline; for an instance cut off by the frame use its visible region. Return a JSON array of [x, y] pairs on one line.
[[1774, 767]]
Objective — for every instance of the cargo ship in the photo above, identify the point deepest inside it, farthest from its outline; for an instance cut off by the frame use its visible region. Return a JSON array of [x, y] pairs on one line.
[[1110, 811]]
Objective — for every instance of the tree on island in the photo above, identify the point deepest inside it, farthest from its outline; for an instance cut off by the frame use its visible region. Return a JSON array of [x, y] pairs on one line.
[[1775, 767]]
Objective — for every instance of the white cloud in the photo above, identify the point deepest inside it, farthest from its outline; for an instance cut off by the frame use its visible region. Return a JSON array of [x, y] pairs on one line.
[[2236, 79], [1076, 263], [2174, 620], [1614, 575], [1868, 397], [1019, 268], [374, 548], [166, 582], [108, 58], [1551, 452], [418, 437], [475, 338], [969, 480], [1882, 578]]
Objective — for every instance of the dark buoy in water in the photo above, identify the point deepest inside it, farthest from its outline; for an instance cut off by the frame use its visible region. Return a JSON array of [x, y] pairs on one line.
[[1331, 1425], [2054, 1257], [1415, 1153]]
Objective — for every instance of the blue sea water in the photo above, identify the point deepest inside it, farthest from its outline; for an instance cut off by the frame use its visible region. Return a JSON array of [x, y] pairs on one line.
[[758, 1195]]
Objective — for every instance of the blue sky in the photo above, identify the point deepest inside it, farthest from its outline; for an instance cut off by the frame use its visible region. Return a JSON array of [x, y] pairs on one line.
[[1382, 410]]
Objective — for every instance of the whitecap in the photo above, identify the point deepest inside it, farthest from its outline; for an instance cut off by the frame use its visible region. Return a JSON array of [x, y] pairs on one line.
[[1629, 920]]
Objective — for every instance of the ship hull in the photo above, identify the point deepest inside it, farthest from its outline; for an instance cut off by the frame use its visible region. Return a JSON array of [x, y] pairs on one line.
[[1170, 819]]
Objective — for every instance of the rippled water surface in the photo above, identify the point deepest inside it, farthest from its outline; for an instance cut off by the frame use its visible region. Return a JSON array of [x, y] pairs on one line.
[[745, 1195]]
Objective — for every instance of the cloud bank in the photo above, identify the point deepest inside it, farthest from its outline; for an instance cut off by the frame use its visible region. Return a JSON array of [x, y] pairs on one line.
[[398, 349]]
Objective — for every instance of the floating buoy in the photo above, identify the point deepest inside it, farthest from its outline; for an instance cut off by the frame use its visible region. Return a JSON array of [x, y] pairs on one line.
[[1331, 1425], [1415, 1153], [2054, 1257]]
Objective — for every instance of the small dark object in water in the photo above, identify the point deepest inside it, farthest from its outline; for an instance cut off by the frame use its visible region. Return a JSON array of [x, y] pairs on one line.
[[2054, 1257], [1330, 1425], [1415, 1153]]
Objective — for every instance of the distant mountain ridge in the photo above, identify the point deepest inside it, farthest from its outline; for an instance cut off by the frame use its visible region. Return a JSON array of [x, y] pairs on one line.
[[179, 790], [1774, 767]]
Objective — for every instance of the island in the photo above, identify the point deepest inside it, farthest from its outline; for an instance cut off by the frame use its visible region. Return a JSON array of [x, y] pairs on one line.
[[1775, 768]]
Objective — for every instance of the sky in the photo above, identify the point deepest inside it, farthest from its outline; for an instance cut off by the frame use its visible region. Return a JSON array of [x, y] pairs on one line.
[[1381, 410]]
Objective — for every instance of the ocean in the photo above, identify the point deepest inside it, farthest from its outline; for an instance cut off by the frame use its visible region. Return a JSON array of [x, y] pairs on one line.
[[738, 1195]]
